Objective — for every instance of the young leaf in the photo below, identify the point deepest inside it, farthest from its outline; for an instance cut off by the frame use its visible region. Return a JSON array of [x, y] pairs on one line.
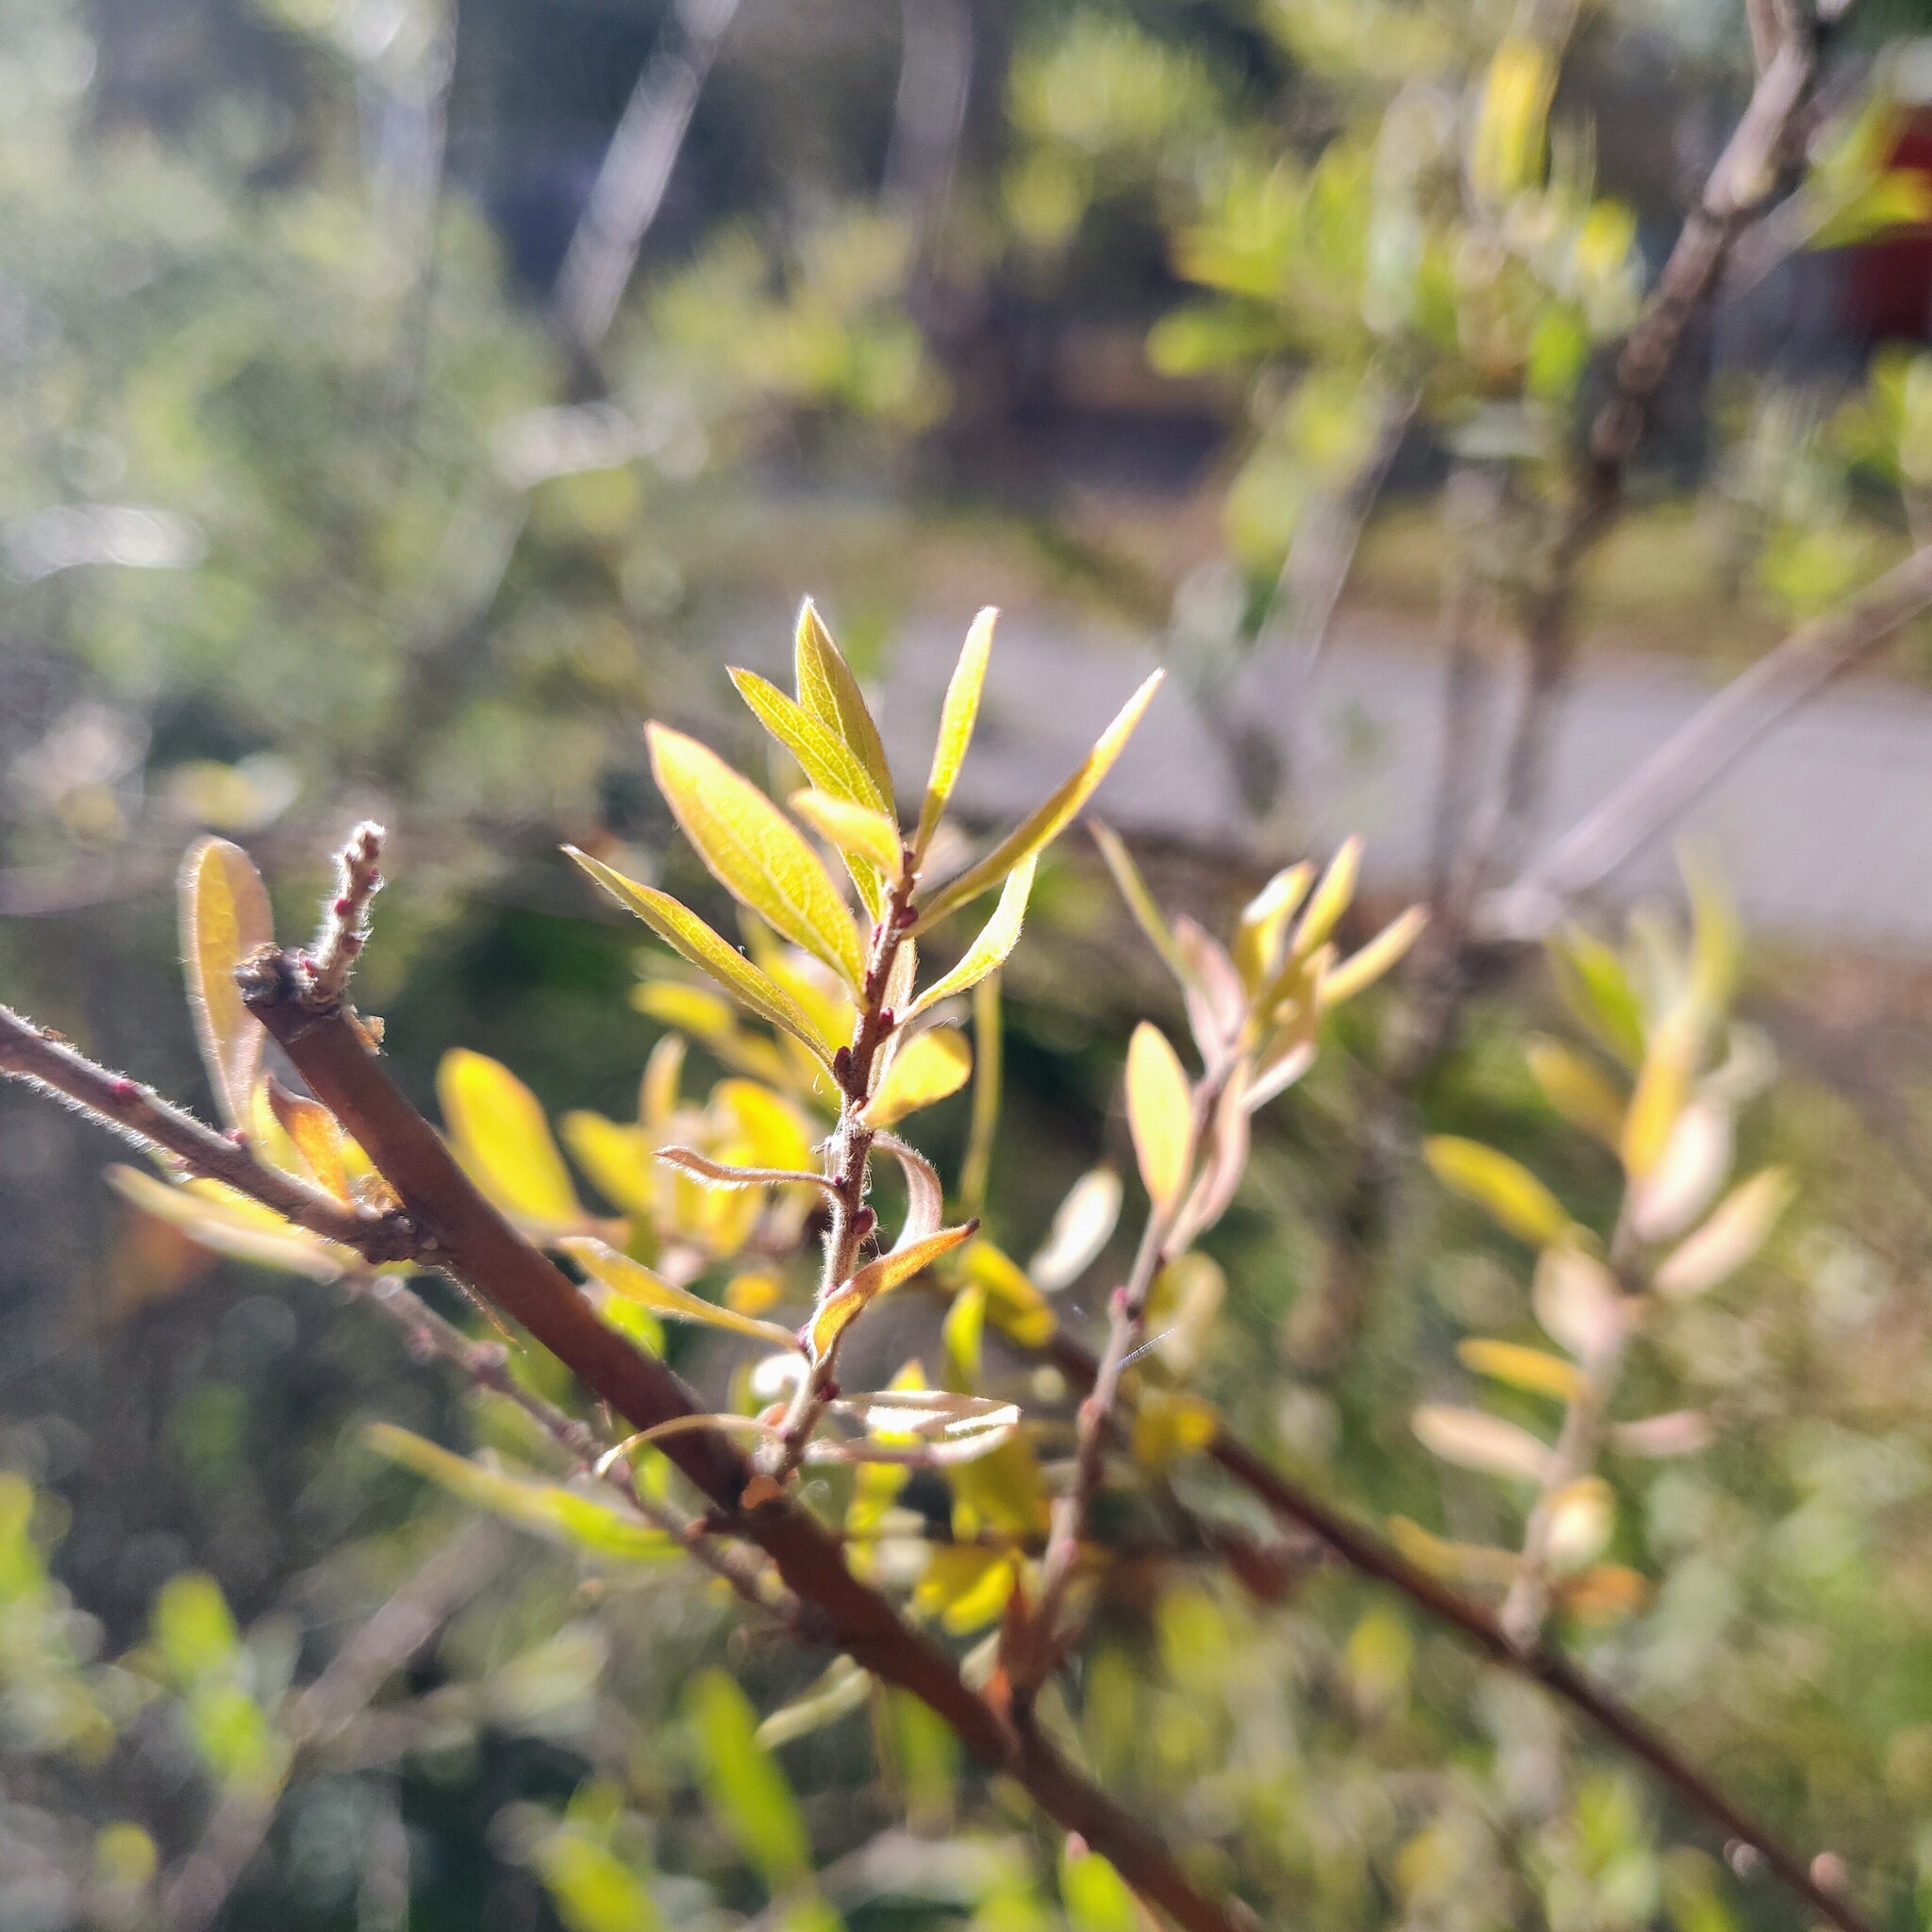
[[616, 1156], [996, 939], [1577, 1302], [857, 830], [1597, 990], [1140, 902], [839, 1690], [1581, 1517], [231, 1223], [556, 1514], [1662, 1082], [1330, 899], [1576, 1090], [1687, 1174], [1048, 820], [1528, 1369], [1013, 1304], [1483, 1442], [317, 1136], [225, 916], [1161, 1113], [636, 1283], [1362, 969], [1677, 1432], [747, 1792], [686, 933], [957, 716], [499, 1133], [1258, 940], [924, 1198], [1739, 1226], [725, 1174], [823, 756], [877, 1278], [828, 691], [1511, 1193], [926, 1069], [1229, 1137], [1082, 1225], [1453, 1562], [754, 850]]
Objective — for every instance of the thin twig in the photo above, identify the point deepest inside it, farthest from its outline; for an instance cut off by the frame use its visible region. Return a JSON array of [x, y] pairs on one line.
[[346, 918], [1365, 1552]]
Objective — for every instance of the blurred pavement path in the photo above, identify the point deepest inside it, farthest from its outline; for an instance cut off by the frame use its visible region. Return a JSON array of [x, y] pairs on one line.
[[1825, 829]]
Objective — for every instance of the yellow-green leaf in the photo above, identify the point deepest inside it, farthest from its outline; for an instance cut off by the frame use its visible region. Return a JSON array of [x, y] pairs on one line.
[[1330, 899], [1583, 1095], [1258, 940], [823, 756], [877, 1278], [499, 1133], [317, 1136], [957, 716], [996, 939], [231, 1223], [1140, 902], [559, 1515], [1507, 1192], [1596, 989], [225, 916], [1048, 820], [1082, 1225], [1362, 969], [1528, 1369], [828, 691], [1739, 1226], [1486, 1442], [686, 933], [926, 1070], [636, 1283], [838, 1690], [1662, 1083], [1160, 1111], [616, 1154], [754, 850], [1014, 1304], [1454, 1562], [857, 830]]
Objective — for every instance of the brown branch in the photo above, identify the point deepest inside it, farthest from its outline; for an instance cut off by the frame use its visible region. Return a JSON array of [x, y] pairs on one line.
[[1704, 748], [1365, 1552], [480, 1247], [42, 1058]]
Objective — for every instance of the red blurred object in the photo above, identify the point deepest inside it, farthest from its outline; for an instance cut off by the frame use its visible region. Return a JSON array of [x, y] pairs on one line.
[[1888, 283]]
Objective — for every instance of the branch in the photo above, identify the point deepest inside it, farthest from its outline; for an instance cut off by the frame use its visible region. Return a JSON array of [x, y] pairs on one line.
[[42, 1058], [1701, 750], [481, 1248], [1365, 1552]]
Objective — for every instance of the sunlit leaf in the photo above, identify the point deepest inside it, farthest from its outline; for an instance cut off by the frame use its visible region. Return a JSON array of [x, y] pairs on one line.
[[1095, 1896], [822, 755], [1604, 1594], [561, 1515], [225, 917], [1585, 1097], [957, 716], [1182, 1308], [1528, 1369], [636, 1283], [1693, 1166], [231, 1223], [1677, 1432], [1082, 1225], [747, 1792], [1737, 1228], [1330, 899], [1506, 1191], [925, 1197], [1170, 1425], [1663, 1081], [316, 1137], [1581, 1516], [877, 1278], [1048, 820], [1597, 990], [1454, 1562], [499, 1133], [909, 1414], [1507, 144], [926, 1069], [1486, 1442], [995, 940], [754, 850], [1577, 1301], [1261, 933], [726, 1173], [1160, 1113], [1141, 903], [966, 1588], [828, 691], [838, 1690], [858, 832], [591, 1887], [1362, 969], [1229, 1139], [616, 1156], [688, 933]]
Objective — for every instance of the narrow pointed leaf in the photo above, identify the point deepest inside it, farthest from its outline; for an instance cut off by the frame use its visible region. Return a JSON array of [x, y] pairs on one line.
[[1362, 969], [1484, 1442], [1330, 899], [857, 830], [1048, 820], [877, 1278], [225, 917], [1584, 1096], [924, 1198], [616, 1156], [1259, 935], [828, 691], [1737, 1228], [1696, 1163], [723, 1174], [842, 1689], [1509, 1192], [499, 1133], [1677, 1432], [1229, 1137], [1454, 1562], [636, 1283], [754, 850], [686, 933], [926, 1070], [1160, 1114], [1528, 1369], [1140, 902], [823, 756], [957, 716], [231, 1223], [995, 939]]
